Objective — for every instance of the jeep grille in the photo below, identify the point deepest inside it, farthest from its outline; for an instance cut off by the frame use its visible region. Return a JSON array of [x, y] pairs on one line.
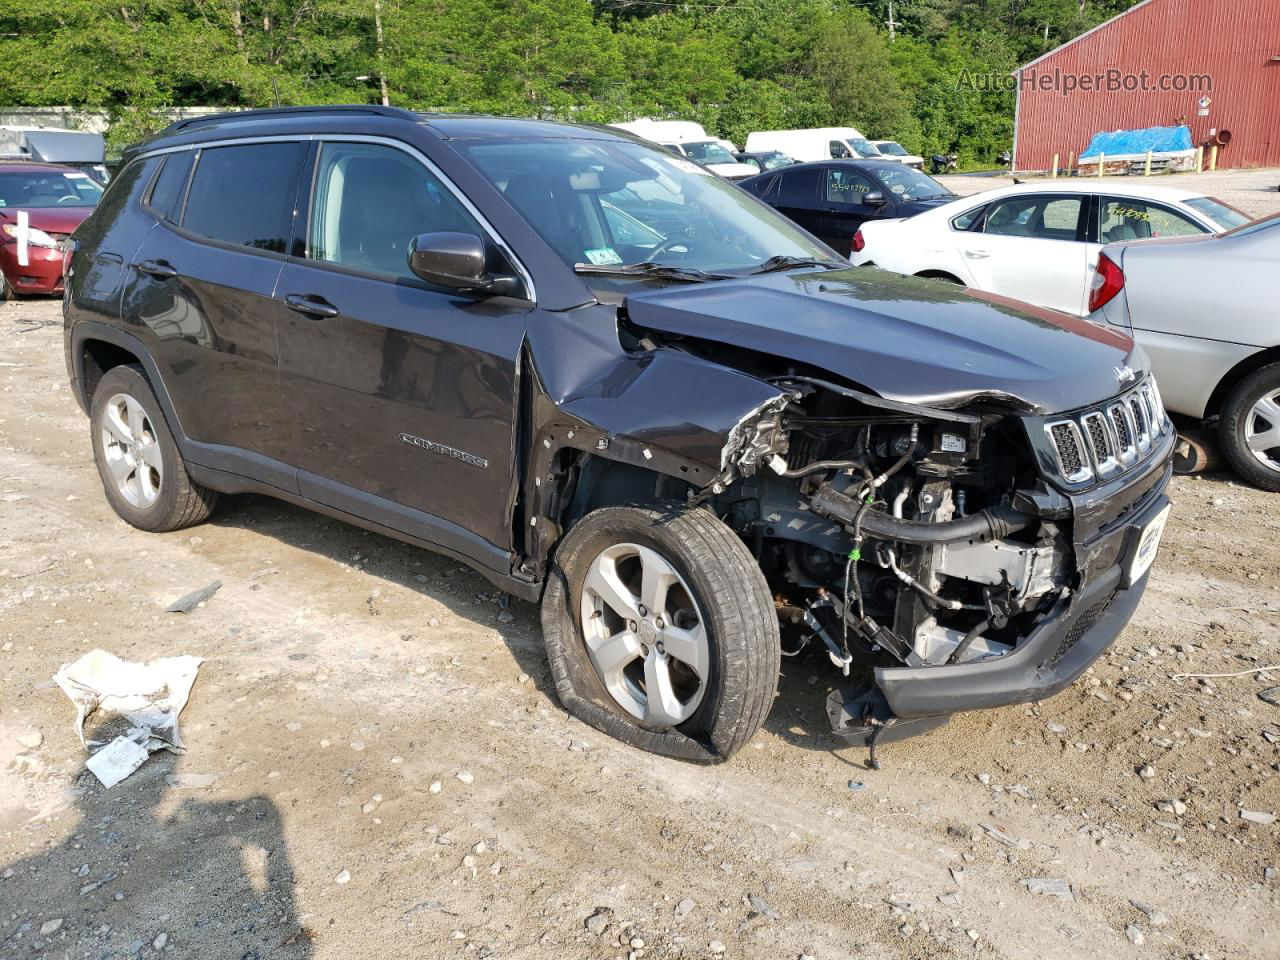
[[1101, 442]]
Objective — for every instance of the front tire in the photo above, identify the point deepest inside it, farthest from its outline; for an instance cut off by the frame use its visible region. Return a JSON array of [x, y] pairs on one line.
[[661, 631], [1249, 428], [142, 470]]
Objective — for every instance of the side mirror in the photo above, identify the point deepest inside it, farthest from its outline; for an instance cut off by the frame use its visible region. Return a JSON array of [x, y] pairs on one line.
[[873, 197], [458, 261]]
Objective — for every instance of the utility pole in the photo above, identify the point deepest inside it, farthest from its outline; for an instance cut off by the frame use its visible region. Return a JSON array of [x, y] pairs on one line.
[[891, 23], [382, 72]]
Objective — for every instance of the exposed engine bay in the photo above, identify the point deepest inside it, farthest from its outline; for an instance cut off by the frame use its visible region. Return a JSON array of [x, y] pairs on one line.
[[894, 533]]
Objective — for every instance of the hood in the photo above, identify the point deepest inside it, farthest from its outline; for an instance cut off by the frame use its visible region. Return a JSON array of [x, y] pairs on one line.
[[912, 207], [918, 341], [733, 171], [50, 219]]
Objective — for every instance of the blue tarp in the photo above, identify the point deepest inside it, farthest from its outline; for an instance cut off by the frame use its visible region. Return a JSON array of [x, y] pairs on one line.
[[1124, 142]]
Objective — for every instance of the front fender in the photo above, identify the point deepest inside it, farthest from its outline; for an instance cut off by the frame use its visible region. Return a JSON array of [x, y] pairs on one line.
[[663, 410]]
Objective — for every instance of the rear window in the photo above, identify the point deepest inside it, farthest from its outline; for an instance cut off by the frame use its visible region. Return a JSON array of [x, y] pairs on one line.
[[1223, 214], [244, 194], [166, 195]]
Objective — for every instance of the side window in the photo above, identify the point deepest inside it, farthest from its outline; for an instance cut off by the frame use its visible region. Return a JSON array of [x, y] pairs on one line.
[[1120, 218], [799, 188], [845, 186], [839, 150], [370, 201], [967, 219], [245, 194], [1042, 218], [166, 194]]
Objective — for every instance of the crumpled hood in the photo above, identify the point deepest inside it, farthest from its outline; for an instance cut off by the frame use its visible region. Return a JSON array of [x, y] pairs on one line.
[[918, 341]]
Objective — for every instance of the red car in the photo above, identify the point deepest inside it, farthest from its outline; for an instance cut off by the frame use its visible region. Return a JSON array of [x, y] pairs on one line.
[[55, 200]]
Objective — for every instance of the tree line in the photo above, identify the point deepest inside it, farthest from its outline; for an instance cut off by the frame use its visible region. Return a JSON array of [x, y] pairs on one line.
[[896, 69]]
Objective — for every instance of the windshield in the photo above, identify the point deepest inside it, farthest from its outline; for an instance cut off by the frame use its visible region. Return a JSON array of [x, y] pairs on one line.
[[891, 148], [864, 148], [708, 152], [1223, 214], [907, 183], [46, 188], [603, 203], [773, 161]]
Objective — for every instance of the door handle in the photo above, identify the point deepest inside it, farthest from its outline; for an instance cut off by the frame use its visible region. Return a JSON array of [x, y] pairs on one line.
[[160, 269], [977, 254], [310, 305]]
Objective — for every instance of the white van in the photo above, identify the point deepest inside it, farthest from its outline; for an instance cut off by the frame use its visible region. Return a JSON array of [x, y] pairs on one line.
[[689, 139], [820, 143]]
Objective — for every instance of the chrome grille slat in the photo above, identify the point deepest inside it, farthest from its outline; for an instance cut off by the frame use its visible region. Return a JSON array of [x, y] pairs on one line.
[[1106, 440]]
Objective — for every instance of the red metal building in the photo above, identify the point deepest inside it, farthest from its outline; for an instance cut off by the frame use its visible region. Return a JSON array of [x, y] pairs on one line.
[[1211, 64]]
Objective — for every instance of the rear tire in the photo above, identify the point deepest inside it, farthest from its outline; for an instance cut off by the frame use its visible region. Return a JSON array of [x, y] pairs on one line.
[[1249, 428], [142, 470], [717, 694]]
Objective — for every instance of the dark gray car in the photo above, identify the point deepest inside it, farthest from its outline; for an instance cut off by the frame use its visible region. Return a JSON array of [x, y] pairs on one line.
[[622, 388]]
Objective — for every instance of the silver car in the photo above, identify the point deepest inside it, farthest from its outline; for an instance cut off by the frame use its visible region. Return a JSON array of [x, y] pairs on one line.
[[1205, 310]]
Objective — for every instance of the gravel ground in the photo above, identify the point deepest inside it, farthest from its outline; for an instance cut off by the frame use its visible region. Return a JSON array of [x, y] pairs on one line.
[[377, 765], [1252, 191]]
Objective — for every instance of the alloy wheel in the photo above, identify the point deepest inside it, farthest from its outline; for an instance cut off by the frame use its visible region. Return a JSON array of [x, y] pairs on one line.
[[1262, 430], [645, 634], [131, 450]]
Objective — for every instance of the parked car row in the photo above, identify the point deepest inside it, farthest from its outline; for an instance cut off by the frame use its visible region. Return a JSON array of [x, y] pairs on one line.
[[1035, 243]]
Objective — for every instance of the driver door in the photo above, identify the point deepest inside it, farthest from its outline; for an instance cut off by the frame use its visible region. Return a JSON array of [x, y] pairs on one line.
[[845, 207], [402, 395]]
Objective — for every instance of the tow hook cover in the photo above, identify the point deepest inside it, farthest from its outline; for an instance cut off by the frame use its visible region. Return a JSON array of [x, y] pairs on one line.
[[857, 713]]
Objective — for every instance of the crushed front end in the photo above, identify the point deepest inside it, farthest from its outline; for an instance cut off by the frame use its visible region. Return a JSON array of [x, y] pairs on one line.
[[947, 557]]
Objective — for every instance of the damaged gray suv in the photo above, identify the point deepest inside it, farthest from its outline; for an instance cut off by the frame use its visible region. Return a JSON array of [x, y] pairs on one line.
[[620, 387]]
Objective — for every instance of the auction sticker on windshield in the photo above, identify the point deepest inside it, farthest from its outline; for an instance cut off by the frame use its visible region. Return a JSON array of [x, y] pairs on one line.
[[603, 255], [1148, 544]]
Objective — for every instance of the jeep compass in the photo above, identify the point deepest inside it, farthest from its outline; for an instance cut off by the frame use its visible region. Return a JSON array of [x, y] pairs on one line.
[[622, 388]]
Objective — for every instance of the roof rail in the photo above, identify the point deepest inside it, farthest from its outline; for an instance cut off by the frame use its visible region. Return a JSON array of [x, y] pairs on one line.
[[271, 113]]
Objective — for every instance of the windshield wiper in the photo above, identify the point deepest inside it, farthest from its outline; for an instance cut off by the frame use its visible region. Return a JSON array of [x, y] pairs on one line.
[[645, 268], [774, 264]]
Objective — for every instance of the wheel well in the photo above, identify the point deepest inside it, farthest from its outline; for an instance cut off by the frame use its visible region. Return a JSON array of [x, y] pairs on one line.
[[99, 357], [607, 483], [940, 275], [1235, 375]]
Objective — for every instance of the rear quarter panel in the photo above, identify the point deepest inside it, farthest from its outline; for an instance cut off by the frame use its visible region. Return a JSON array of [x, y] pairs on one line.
[[1199, 307]]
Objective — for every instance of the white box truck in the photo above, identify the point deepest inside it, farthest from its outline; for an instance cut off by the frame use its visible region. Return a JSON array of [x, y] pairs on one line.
[[820, 143], [689, 139]]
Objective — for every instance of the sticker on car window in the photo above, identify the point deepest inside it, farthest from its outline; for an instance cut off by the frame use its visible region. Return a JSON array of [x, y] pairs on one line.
[[603, 256], [76, 176]]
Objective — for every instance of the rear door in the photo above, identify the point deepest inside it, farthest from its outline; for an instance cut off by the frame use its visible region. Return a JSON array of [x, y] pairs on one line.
[[845, 208], [201, 294], [403, 394], [795, 196], [1031, 247]]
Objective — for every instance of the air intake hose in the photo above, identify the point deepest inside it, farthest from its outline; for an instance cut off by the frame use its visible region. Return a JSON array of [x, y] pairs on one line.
[[994, 523]]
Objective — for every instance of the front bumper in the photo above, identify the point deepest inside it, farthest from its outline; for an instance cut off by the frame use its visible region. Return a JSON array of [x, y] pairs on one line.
[[1061, 647], [42, 273]]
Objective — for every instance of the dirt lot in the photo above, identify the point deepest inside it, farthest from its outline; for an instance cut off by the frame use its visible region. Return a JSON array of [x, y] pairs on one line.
[[377, 765]]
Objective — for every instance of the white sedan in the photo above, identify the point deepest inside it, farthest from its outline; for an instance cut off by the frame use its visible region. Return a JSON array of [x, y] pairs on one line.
[[1036, 242]]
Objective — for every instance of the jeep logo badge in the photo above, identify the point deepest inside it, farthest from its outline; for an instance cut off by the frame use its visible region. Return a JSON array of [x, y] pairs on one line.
[[1125, 375]]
